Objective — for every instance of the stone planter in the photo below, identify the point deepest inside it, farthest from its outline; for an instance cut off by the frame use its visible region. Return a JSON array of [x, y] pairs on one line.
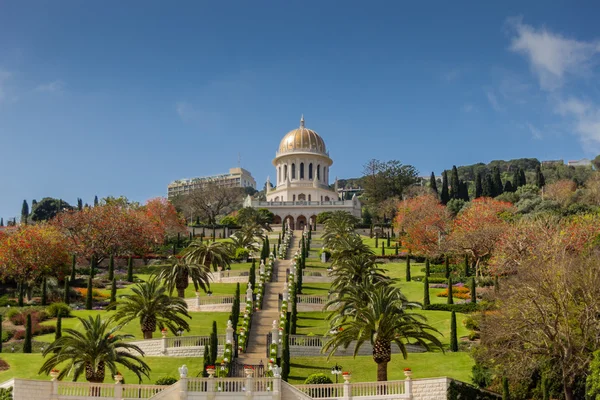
[[408, 374]]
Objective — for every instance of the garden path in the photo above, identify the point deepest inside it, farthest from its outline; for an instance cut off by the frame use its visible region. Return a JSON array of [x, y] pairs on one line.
[[262, 320]]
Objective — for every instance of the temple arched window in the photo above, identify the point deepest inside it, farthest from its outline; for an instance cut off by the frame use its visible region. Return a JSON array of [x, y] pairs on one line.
[[318, 172], [301, 197], [301, 170], [285, 172], [310, 171], [293, 171]]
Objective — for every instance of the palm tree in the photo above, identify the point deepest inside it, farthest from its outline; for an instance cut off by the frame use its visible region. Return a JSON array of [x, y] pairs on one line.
[[357, 269], [347, 246], [248, 237], [339, 224], [176, 274], [150, 303], [381, 321], [213, 254], [93, 349]]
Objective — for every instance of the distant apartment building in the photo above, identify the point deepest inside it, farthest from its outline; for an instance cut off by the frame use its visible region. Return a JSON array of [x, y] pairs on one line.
[[553, 162], [237, 177], [584, 162]]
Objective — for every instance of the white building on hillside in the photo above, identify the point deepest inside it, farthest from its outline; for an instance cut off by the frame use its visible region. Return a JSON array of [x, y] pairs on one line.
[[302, 181]]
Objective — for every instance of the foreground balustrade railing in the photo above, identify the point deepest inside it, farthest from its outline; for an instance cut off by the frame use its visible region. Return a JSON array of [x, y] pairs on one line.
[[142, 391], [190, 341], [324, 392], [230, 385], [86, 389]]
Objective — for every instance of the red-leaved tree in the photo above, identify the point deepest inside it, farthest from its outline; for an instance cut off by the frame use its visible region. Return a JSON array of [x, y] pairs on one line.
[[163, 215]]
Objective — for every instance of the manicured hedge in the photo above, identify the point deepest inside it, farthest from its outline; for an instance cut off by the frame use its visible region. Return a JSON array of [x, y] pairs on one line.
[[463, 391], [459, 308]]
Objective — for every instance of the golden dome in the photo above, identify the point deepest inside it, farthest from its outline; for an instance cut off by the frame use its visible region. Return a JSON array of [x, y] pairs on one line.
[[302, 139]]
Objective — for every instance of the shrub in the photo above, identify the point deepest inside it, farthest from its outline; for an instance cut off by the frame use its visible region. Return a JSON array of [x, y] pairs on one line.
[[317, 379], [241, 254], [471, 323], [20, 316], [53, 309], [326, 252], [459, 390], [7, 335], [166, 381], [6, 301], [474, 335], [6, 394], [4, 367], [459, 308]]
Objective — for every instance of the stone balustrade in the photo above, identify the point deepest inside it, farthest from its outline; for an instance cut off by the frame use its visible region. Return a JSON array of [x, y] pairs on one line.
[[213, 303], [310, 346]]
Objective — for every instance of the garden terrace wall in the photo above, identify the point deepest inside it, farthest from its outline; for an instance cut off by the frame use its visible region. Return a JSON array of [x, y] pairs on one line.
[[310, 346], [178, 346], [214, 303]]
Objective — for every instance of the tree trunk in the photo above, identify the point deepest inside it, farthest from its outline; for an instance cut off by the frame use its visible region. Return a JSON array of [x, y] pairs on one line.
[[147, 334], [181, 292], [568, 389], [382, 371]]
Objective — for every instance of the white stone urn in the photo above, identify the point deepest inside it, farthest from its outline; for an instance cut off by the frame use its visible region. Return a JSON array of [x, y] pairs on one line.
[[249, 371], [408, 373], [347, 376], [118, 378], [54, 374], [210, 372]]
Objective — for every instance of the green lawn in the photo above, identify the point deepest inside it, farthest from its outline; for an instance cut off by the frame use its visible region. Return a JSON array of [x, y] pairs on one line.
[[216, 288], [377, 250], [363, 368], [26, 366], [200, 324]]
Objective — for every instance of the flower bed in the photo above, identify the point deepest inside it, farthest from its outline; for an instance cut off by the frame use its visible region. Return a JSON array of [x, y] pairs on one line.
[[460, 292]]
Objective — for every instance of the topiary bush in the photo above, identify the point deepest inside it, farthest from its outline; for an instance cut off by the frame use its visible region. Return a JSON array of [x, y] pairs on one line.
[[242, 254], [166, 381], [53, 309], [317, 379]]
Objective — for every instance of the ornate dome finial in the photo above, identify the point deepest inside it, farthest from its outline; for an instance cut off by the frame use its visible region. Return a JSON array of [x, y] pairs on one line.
[[302, 121]]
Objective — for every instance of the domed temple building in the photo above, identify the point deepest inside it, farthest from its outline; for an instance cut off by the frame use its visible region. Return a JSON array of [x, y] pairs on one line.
[[302, 188]]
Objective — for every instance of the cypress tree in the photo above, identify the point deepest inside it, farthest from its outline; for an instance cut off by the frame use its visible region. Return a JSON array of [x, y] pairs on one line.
[[113, 294], [426, 300], [383, 248], [447, 266], [454, 183], [111, 267], [433, 184], [285, 353], [522, 179], [463, 190], [1, 318], [44, 292], [516, 178], [299, 278], [214, 343], [396, 248], [478, 186], [540, 181], [497, 181], [27, 346], [252, 277], [24, 212], [1, 221], [66, 291], [408, 268], [58, 332], [453, 334], [444, 196], [95, 201], [88, 297], [508, 187], [79, 204], [206, 361], [473, 290], [427, 267], [376, 241], [488, 187], [450, 292], [294, 318], [466, 264], [130, 269], [388, 240], [73, 266], [505, 389]]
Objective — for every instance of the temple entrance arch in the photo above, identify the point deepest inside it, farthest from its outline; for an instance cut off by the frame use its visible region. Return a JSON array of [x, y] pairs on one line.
[[277, 220], [289, 219], [301, 222]]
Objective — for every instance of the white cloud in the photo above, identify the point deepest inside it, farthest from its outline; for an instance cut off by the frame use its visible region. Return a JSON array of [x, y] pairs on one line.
[[493, 100], [53, 87], [585, 118], [552, 57], [535, 132]]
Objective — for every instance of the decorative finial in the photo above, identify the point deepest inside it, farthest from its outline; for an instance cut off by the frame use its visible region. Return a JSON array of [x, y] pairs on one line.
[[302, 121]]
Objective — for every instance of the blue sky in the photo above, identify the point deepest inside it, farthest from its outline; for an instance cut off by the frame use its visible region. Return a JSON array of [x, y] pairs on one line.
[[120, 98]]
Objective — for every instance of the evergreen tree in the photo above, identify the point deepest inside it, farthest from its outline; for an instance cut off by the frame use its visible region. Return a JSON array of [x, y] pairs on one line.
[[427, 267], [497, 181], [1, 318], [130, 269], [383, 248], [540, 181], [473, 288], [299, 278], [447, 266], [252, 277], [285, 352], [408, 268], [454, 183], [396, 250], [516, 178], [58, 332], [478, 186], [66, 292], [433, 184], [27, 345], [1, 221], [79, 204], [111, 267], [466, 264], [95, 201], [508, 187], [214, 344], [294, 317], [522, 179], [113, 294], [24, 212], [206, 361], [488, 187], [88, 297], [44, 292], [426, 300], [450, 292], [444, 196], [463, 190], [505, 389], [388, 240], [453, 333], [33, 203], [376, 241]]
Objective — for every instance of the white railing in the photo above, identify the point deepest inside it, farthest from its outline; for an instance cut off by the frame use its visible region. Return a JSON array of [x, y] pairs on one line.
[[330, 391], [229, 385], [86, 389], [306, 341], [364, 389], [310, 299], [141, 391], [191, 341], [211, 300]]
